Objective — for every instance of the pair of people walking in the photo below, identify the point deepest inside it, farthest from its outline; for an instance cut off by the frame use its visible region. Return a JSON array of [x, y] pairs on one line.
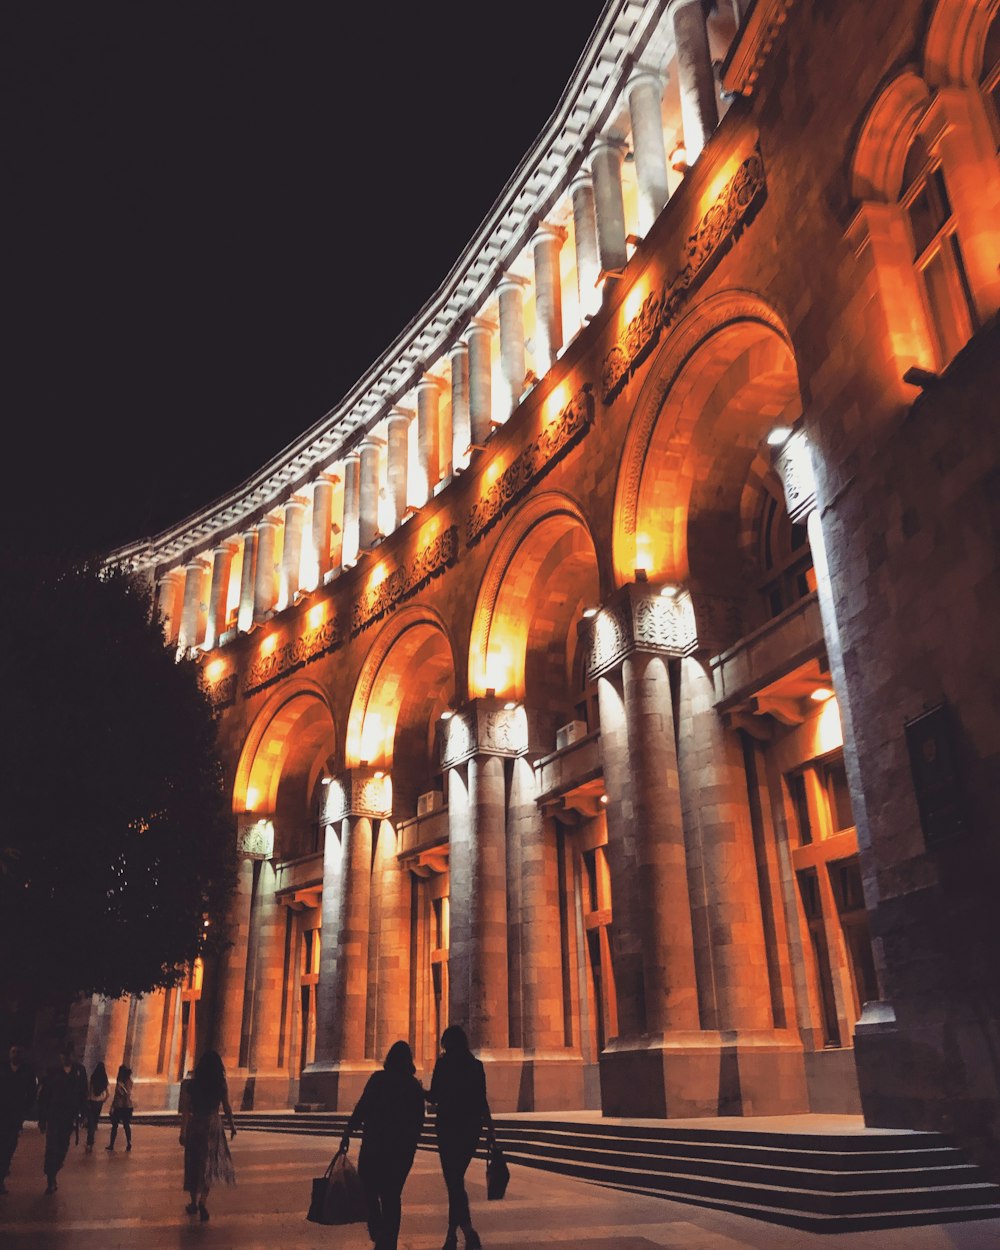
[[98, 1093], [391, 1114]]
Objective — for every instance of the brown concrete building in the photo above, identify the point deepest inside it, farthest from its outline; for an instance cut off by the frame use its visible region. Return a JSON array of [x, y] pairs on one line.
[[613, 671]]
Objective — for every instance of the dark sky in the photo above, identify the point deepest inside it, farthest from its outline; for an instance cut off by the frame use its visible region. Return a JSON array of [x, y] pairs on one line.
[[218, 214]]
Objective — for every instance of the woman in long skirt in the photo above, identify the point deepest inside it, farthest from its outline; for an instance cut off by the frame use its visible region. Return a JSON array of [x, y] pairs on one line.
[[206, 1151]]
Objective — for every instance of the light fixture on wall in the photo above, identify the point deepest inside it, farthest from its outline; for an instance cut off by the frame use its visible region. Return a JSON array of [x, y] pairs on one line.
[[447, 714], [670, 591], [778, 436], [679, 159], [510, 705], [589, 613], [822, 694]]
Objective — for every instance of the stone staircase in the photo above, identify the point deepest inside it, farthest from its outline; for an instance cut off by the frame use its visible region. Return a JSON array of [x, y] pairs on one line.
[[824, 1182]]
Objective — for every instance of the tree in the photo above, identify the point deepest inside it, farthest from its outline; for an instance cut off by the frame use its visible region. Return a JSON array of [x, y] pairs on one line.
[[116, 843]]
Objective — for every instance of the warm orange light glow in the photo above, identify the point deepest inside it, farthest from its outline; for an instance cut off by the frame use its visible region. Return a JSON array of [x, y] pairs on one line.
[[821, 694], [268, 644], [372, 737], [253, 799], [316, 615], [214, 670], [718, 184], [634, 299], [379, 573], [556, 400]]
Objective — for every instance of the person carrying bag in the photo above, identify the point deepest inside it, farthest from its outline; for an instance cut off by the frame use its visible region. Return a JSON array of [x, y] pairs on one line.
[[337, 1196]]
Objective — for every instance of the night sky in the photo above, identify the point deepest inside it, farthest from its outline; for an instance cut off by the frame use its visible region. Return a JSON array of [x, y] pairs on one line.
[[217, 215]]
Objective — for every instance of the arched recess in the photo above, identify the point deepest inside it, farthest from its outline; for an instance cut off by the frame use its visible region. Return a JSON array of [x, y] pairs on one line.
[[956, 41], [283, 761], [885, 137], [693, 485], [543, 574], [406, 682]]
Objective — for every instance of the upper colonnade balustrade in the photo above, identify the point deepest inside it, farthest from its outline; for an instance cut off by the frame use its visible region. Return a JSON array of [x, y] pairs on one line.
[[536, 272]]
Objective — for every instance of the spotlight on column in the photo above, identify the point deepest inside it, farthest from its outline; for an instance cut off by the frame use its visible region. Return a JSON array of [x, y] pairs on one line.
[[604, 799], [679, 159], [326, 781], [779, 436], [509, 706], [589, 613], [670, 591], [379, 775], [447, 714], [822, 694]]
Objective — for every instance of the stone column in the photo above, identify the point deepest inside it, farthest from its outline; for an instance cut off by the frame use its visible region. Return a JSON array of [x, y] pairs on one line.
[[606, 167], [170, 601], [696, 78], [461, 430], [352, 506], [512, 363], [392, 882], [114, 1046], [480, 380], [397, 462], [369, 481], [588, 261], [194, 611], [350, 986], [222, 565], [264, 582], [428, 436], [291, 551], [147, 1035], [547, 244], [232, 971], [322, 523], [645, 91], [734, 987], [248, 579]]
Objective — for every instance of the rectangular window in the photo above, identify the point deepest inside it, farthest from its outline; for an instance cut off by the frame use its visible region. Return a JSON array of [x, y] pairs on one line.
[[797, 790], [838, 794]]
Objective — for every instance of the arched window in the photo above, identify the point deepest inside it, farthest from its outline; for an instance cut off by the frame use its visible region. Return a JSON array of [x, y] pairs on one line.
[[937, 252], [785, 556]]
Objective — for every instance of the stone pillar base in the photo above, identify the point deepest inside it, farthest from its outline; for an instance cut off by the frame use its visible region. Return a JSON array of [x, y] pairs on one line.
[[524, 1080], [262, 1091], [334, 1086], [678, 1075], [151, 1094]]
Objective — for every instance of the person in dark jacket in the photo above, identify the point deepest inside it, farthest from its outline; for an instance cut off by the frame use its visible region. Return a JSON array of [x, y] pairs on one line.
[[390, 1114], [62, 1101], [17, 1094], [458, 1089]]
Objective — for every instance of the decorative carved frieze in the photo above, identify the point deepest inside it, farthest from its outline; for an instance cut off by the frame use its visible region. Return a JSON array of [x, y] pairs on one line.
[[794, 466], [222, 693], [562, 433], [485, 728], [357, 792], [716, 232], [405, 580], [254, 836], [294, 654], [639, 618]]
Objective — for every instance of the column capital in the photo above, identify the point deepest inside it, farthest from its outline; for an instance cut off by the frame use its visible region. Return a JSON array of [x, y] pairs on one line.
[[404, 415], [640, 618], [169, 575], [643, 75], [371, 442], [482, 325], [430, 380], [548, 230], [254, 835], [198, 564], [360, 791], [608, 143], [295, 501], [271, 519], [458, 348], [582, 180], [491, 726], [327, 479], [229, 547], [512, 282], [793, 464], [353, 455]]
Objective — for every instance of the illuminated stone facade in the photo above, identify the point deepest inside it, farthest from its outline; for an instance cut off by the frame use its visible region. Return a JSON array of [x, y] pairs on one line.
[[567, 671]]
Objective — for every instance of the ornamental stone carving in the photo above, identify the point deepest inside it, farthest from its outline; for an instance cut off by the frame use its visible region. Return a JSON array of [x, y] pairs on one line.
[[794, 466], [357, 792], [562, 433], [222, 693], [716, 232], [639, 618], [254, 836], [301, 650], [405, 580], [486, 727]]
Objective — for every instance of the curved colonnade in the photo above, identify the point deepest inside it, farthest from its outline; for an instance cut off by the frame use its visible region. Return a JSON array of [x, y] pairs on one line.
[[526, 658]]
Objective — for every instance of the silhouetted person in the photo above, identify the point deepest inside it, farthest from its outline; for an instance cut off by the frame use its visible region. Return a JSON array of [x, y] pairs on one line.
[[61, 1102], [458, 1088], [122, 1107], [17, 1093], [206, 1151], [97, 1096], [390, 1113]]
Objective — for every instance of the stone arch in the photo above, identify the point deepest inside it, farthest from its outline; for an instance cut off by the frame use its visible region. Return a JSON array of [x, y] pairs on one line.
[[406, 682], [885, 137], [286, 753], [543, 573], [726, 372], [956, 39]]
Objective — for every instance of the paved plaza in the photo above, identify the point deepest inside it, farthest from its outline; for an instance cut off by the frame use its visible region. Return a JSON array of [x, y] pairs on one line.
[[134, 1202]]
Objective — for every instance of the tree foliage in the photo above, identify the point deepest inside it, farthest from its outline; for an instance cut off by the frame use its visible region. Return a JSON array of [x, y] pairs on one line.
[[116, 843]]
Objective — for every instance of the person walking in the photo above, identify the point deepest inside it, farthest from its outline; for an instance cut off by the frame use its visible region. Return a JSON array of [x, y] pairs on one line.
[[206, 1151], [122, 1108], [17, 1093], [61, 1102], [458, 1090], [97, 1096], [390, 1113]]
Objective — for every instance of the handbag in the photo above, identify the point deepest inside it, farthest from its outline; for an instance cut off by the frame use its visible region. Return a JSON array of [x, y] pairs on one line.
[[337, 1196], [497, 1173]]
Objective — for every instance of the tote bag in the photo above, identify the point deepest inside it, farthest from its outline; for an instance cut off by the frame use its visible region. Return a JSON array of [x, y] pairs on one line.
[[337, 1196]]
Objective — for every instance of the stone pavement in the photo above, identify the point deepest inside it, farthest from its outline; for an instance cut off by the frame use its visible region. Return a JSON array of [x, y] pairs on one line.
[[134, 1202]]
